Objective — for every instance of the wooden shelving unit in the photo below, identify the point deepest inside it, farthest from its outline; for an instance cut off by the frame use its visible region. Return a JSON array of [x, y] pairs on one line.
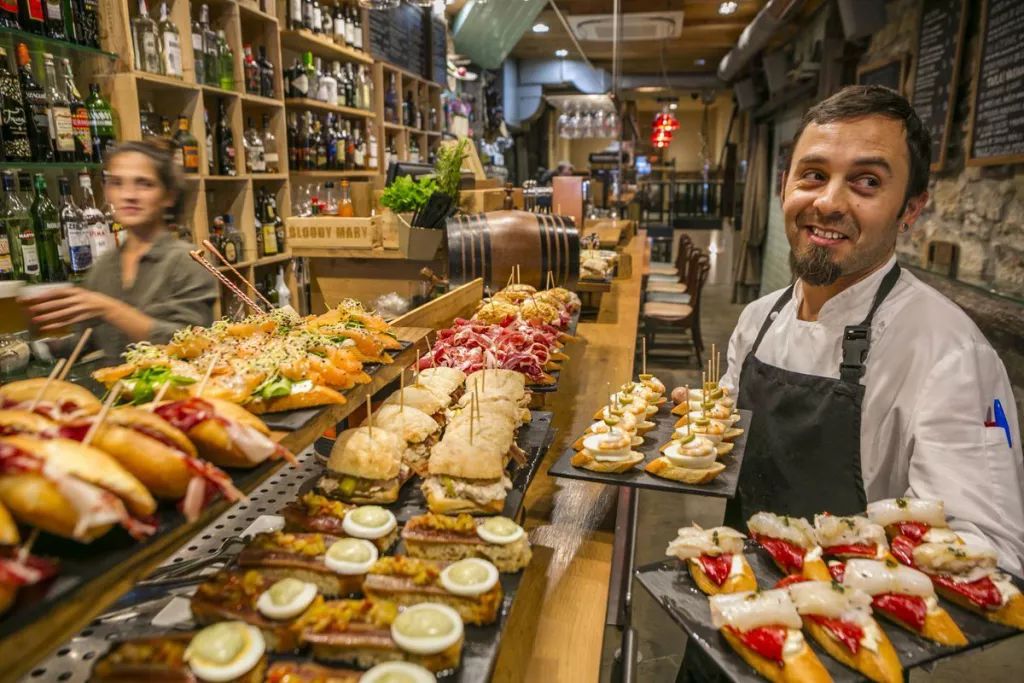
[[130, 91], [425, 95]]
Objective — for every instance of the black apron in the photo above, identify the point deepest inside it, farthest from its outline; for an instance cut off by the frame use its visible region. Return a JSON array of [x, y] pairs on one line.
[[803, 447]]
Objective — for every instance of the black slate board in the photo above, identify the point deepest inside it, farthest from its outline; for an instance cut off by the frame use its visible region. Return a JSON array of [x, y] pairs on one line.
[[939, 41], [722, 486], [399, 36], [294, 420], [79, 563], [670, 584], [997, 130], [438, 51]]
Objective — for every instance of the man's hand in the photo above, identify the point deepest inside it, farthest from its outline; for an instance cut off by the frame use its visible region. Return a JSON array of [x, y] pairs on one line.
[[66, 306]]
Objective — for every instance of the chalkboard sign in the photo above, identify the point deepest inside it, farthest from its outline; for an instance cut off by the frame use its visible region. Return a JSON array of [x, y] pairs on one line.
[[939, 42], [888, 73], [399, 36], [438, 51], [997, 117]]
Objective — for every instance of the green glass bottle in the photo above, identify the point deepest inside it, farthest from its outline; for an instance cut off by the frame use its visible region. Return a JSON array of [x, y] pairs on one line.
[[21, 239], [46, 225], [226, 61]]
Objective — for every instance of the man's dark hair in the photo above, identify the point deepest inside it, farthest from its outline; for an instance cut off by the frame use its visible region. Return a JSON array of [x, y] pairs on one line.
[[857, 101]]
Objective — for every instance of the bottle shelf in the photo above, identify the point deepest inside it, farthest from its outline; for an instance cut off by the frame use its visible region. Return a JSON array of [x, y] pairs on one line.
[[309, 103], [42, 166], [336, 174], [164, 81], [217, 90], [256, 177], [248, 11], [307, 41], [38, 43], [259, 99]]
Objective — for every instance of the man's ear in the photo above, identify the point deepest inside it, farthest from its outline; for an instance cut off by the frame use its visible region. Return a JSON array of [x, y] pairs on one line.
[[913, 209], [782, 190]]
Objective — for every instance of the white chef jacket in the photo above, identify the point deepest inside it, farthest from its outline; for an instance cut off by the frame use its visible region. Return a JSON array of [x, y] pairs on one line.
[[931, 377]]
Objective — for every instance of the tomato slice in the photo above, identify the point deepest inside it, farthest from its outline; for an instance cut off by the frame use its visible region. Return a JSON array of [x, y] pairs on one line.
[[909, 609], [787, 555], [915, 531], [766, 641], [902, 548], [847, 633], [983, 592], [853, 549], [717, 568]]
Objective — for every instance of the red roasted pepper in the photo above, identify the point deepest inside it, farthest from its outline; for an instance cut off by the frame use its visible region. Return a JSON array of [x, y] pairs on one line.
[[787, 555], [766, 641], [847, 633], [909, 609], [717, 568]]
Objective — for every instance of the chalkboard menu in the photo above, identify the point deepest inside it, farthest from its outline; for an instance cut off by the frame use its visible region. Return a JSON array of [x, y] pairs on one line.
[[438, 51], [939, 41], [888, 73], [997, 119], [399, 36]]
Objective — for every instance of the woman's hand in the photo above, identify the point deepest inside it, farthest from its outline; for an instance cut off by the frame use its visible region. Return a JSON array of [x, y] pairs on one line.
[[66, 306]]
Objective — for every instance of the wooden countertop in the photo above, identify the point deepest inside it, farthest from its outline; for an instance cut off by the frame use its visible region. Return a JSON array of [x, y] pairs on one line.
[[556, 627]]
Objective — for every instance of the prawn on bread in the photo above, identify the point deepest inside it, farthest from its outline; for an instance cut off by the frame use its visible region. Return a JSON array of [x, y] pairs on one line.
[[59, 401], [626, 423], [608, 452], [904, 596], [365, 467], [418, 430], [448, 538], [689, 459], [764, 629], [714, 558], [791, 543], [966, 575], [839, 619], [70, 489]]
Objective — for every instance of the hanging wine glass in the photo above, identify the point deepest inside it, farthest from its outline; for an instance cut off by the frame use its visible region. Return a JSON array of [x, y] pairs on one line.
[[613, 125], [563, 124], [575, 124], [587, 125], [600, 128]]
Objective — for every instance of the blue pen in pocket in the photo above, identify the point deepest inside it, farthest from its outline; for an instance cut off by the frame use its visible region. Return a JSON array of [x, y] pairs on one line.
[[1002, 422]]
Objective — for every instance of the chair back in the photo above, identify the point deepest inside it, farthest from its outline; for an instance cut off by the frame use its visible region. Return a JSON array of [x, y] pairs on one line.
[[700, 267], [683, 256]]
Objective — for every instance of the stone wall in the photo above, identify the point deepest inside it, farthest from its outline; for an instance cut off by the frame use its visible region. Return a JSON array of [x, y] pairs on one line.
[[981, 209]]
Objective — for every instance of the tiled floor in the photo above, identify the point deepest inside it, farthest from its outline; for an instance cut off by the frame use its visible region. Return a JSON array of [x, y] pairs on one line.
[[661, 642]]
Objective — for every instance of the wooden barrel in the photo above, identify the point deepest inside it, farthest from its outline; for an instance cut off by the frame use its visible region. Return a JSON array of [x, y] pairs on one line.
[[490, 245]]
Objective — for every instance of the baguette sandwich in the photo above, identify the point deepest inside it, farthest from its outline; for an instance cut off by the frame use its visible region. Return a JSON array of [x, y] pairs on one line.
[[17, 421], [423, 399], [17, 571], [59, 401], [465, 476], [714, 558], [418, 430], [764, 629], [447, 538], [365, 467], [446, 383]]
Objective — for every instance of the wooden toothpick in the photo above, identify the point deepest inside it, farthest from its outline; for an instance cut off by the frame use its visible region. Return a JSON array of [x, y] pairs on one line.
[[416, 370], [46, 385], [115, 391], [159, 395], [75, 354], [401, 393], [369, 415], [26, 549], [511, 276], [206, 377], [643, 355]]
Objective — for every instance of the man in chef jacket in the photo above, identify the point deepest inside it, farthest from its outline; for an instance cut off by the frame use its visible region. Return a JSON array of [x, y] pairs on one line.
[[904, 412]]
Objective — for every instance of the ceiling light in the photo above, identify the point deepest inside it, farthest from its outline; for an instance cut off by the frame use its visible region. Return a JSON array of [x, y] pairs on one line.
[[541, 27], [674, 106], [649, 88], [699, 61], [729, 7], [562, 52]]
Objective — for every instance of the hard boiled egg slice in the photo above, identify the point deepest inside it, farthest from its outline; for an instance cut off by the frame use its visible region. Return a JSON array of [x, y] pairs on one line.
[[398, 672], [369, 521], [351, 556], [225, 651], [286, 599], [427, 628], [500, 530], [469, 577]]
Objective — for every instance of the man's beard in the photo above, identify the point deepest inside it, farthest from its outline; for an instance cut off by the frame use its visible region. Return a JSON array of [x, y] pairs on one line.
[[814, 266]]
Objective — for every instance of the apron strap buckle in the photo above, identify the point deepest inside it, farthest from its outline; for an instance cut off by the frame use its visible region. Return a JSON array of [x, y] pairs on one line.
[[856, 341]]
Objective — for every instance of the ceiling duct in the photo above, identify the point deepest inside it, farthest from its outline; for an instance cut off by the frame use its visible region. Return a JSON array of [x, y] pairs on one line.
[[649, 26], [756, 35]]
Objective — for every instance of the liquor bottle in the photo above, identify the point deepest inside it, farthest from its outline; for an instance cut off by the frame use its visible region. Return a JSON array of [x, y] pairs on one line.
[[318, 147], [32, 16], [166, 132], [330, 202], [255, 160], [339, 25], [17, 223], [331, 144], [268, 226], [211, 56], [227, 61], [328, 91], [67, 10], [55, 20], [345, 147], [170, 42], [46, 225], [359, 161], [326, 22], [75, 249], [307, 15], [198, 52], [408, 110], [100, 239], [211, 164], [350, 28], [414, 151], [272, 215], [186, 143], [391, 101], [8, 19], [350, 86], [291, 138], [101, 123], [271, 158], [225, 143], [318, 18], [258, 227], [234, 245], [266, 68], [251, 70], [14, 130], [372, 149], [117, 231], [306, 147], [311, 75], [79, 115], [147, 44], [294, 15], [87, 22], [36, 108], [298, 83], [62, 129], [284, 295], [345, 208], [6, 262], [357, 29]]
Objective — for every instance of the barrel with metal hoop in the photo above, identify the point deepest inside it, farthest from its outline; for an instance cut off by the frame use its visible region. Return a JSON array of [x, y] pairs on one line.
[[490, 245]]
